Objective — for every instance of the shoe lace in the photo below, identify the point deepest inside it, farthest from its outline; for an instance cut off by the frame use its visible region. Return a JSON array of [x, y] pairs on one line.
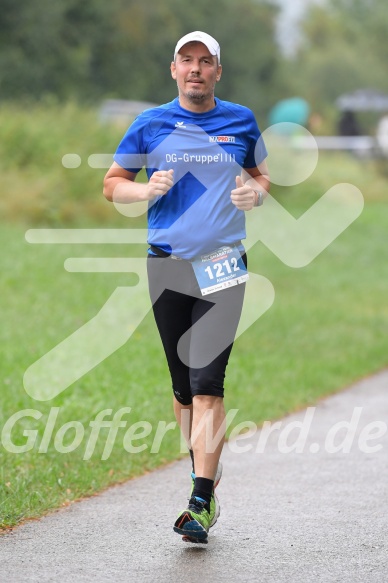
[[196, 505]]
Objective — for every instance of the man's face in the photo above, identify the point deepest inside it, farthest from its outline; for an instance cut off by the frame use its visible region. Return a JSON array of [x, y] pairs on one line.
[[196, 72]]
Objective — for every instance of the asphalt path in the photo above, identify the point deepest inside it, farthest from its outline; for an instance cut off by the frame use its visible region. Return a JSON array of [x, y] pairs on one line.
[[306, 502]]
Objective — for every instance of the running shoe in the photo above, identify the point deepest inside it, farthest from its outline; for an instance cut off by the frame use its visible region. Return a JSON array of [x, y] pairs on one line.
[[190, 531], [193, 523]]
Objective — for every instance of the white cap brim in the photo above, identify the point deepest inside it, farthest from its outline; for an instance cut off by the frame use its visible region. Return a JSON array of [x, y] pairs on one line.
[[199, 37]]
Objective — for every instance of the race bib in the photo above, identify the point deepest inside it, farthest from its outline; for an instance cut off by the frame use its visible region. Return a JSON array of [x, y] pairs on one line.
[[219, 269]]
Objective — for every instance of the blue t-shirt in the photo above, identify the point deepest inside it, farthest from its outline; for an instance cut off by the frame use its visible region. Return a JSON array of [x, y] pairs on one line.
[[206, 151]]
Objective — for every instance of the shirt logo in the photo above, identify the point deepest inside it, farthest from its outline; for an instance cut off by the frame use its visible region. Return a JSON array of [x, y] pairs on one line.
[[180, 124], [222, 139]]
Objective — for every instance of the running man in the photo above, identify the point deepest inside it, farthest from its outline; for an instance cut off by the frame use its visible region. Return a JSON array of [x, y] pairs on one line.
[[205, 162]]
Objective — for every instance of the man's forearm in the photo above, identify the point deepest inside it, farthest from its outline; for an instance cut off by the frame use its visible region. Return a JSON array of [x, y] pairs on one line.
[[121, 190]]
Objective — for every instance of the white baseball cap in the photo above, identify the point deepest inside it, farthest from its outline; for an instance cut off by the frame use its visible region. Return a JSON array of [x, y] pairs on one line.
[[200, 37]]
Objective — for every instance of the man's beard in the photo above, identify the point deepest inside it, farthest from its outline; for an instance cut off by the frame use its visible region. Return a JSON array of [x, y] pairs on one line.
[[195, 95], [199, 94]]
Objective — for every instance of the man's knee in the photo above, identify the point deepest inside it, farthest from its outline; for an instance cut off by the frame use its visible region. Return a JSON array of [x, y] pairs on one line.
[[207, 401], [208, 391], [183, 396]]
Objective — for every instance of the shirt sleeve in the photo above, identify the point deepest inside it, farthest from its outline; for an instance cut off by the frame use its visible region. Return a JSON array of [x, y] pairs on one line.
[[130, 153], [257, 151]]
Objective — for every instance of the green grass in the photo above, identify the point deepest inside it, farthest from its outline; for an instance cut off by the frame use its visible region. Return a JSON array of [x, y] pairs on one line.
[[326, 329]]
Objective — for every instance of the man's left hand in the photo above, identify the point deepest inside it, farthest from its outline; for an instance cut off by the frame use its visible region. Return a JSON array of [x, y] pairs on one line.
[[243, 196]]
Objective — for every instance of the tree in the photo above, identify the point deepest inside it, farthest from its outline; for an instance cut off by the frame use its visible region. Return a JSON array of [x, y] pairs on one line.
[[123, 48], [344, 49], [46, 47]]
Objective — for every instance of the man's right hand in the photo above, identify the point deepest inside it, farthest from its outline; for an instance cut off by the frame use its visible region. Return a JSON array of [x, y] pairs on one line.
[[159, 184]]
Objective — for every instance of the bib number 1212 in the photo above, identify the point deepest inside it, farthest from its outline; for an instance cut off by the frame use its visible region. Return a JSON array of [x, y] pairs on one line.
[[217, 270], [220, 269]]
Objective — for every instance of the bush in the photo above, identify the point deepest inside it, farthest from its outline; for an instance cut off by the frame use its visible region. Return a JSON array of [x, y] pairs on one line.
[[36, 187]]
